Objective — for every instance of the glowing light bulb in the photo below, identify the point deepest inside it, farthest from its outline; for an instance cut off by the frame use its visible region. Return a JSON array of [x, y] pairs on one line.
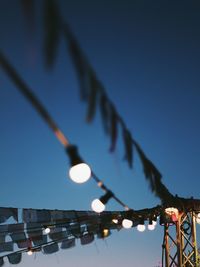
[[30, 252], [141, 227], [47, 230], [80, 173], [154, 223], [127, 224], [151, 227], [105, 232], [115, 221], [198, 215], [97, 205]]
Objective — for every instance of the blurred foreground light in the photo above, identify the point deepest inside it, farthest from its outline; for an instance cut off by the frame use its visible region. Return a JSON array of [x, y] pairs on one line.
[[127, 224], [80, 173], [97, 205]]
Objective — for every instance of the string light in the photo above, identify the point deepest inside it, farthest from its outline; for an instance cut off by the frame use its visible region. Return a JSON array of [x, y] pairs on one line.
[[79, 172], [103, 233], [47, 230], [115, 221], [141, 227], [29, 252], [98, 205], [151, 227], [127, 224]]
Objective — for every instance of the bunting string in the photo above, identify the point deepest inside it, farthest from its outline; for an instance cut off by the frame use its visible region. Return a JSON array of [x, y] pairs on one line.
[[93, 92]]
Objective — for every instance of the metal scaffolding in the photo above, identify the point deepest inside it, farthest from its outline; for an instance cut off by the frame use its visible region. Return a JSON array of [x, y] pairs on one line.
[[179, 243]]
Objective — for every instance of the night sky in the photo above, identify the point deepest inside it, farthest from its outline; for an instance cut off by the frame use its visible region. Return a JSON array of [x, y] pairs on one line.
[[146, 54]]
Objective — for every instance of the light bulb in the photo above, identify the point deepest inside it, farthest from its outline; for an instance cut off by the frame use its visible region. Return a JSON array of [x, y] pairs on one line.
[[97, 205], [154, 223], [30, 252], [47, 230], [80, 173], [115, 221], [151, 227], [127, 223], [198, 215], [141, 227]]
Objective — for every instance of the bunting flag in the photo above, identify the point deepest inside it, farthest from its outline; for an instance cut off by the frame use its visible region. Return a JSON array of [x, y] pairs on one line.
[[6, 213], [64, 228], [93, 92]]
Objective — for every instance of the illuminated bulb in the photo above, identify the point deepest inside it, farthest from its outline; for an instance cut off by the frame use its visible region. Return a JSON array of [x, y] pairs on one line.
[[127, 223], [154, 223], [97, 205], [115, 221], [141, 227], [30, 252], [151, 227], [198, 220], [105, 232], [80, 173], [198, 215], [47, 230]]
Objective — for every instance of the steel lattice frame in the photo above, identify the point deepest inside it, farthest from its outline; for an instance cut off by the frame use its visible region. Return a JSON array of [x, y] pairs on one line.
[[180, 244]]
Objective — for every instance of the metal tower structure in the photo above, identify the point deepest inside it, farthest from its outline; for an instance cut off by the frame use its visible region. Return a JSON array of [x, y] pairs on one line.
[[180, 244]]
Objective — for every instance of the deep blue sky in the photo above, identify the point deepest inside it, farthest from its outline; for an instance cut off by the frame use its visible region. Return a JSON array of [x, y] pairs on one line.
[[147, 55]]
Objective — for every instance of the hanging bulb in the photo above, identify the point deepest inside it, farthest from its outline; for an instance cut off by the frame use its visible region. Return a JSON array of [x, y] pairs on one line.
[[79, 172], [151, 227], [30, 252], [154, 220], [141, 227], [97, 205], [127, 224], [115, 221], [47, 230], [154, 223]]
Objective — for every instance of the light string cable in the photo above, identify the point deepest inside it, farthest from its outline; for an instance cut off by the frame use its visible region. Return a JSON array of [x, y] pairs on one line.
[[29, 95]]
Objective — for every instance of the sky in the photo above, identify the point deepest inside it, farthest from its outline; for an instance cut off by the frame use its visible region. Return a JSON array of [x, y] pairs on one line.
[[146, 54]]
